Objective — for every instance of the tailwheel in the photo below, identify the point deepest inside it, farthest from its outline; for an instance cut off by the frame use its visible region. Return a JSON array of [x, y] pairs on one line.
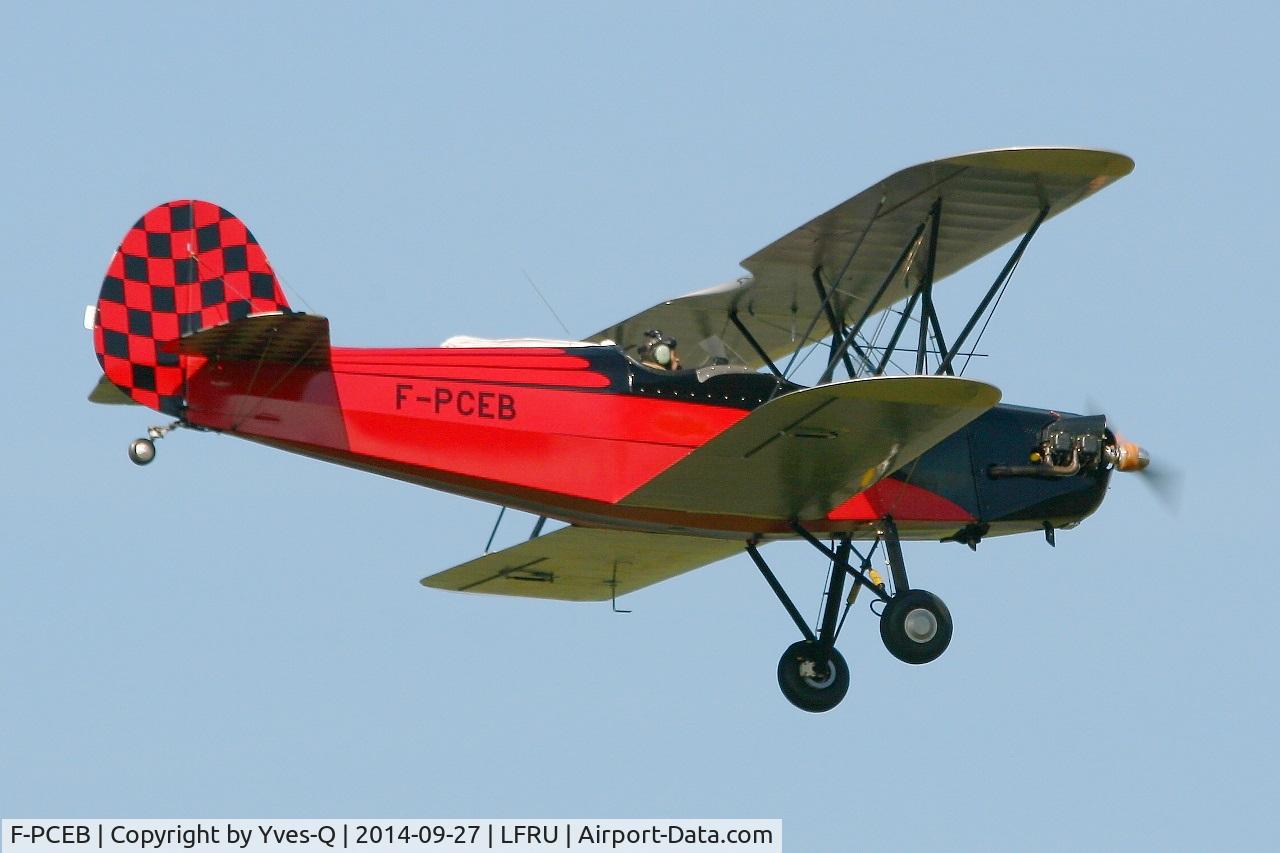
[[813, 678], [916, 626], [142, 451]]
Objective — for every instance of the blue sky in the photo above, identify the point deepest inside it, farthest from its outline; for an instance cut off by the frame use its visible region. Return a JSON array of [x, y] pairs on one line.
[[239, 632]]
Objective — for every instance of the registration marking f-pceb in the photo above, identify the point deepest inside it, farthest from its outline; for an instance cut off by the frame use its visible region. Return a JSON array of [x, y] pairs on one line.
[[466, 401]]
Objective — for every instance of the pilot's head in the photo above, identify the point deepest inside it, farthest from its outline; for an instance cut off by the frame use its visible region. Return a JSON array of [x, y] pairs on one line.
[[659, 351]]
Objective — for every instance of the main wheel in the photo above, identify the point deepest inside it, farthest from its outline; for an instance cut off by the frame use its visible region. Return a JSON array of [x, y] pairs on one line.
[[142, 451], [812, 679], [916, 626]]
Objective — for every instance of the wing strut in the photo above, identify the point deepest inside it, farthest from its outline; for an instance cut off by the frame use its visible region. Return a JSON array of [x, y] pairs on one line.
[[537, 528], [897, 333], [494, 532], [825, 296], [755, 345], [870, 309], [923, 294], [837, 328], [926, 304], [1000, 281]]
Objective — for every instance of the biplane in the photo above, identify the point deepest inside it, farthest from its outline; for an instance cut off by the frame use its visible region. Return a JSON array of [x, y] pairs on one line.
[[678, 436]]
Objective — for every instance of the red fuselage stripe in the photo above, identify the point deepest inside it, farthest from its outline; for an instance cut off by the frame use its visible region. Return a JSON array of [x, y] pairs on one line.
[[560, 445]]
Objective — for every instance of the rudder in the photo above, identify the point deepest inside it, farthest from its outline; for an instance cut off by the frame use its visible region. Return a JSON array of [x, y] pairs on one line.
[[184, 266]]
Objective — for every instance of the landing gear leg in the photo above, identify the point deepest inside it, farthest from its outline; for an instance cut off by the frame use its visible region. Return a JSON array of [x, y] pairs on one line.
[[143, 450], [915, 625], [813, 675]]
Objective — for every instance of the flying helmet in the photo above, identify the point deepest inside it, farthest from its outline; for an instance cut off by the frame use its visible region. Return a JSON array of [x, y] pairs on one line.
[[658, 349]]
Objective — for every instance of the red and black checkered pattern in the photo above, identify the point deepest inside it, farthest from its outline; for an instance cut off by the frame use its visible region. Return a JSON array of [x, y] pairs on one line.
[[185, 265]]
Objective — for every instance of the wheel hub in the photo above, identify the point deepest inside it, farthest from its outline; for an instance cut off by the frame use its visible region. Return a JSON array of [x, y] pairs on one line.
[[816, 675], [920, 625], [813, 678], [822, 682]]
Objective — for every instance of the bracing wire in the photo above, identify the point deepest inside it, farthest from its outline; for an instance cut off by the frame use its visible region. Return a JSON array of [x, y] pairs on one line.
[[973, 349], [831, 567], [285, 285], [529, 279]]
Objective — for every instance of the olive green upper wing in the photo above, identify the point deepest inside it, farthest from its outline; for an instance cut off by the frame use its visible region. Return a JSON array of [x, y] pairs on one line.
[[986, 199]]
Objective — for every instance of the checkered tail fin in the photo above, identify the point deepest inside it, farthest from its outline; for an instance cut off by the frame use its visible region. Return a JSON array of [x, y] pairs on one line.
[[182, 267]]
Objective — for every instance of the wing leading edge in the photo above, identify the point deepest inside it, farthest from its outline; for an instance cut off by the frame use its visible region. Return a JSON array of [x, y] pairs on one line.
[[986, 199]]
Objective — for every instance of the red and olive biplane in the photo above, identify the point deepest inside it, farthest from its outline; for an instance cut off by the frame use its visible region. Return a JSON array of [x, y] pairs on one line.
[[664, 458]]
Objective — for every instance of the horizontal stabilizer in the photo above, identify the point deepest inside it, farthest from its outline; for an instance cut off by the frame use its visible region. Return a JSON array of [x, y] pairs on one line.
[[299, 340], [108, 393], [584, 564], [802, 454]]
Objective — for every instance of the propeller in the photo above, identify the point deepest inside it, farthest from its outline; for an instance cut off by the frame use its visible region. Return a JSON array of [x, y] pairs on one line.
[[1164, 480]]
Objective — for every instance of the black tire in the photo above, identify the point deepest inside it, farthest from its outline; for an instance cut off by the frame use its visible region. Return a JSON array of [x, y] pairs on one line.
[[811, 679], [142, 451], [913, 636]]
